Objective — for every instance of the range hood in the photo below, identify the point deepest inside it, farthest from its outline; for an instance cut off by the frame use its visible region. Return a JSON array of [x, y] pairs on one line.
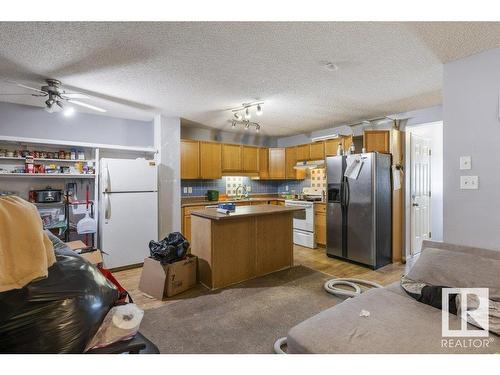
[[310, 164]]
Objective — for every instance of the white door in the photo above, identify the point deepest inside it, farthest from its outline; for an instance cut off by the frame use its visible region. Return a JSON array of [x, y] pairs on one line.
[[420, 191], [128, 222], [121, 175]]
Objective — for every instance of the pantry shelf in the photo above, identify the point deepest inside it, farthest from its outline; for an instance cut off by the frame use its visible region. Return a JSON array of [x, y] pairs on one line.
[[48, 160], [46, 175]]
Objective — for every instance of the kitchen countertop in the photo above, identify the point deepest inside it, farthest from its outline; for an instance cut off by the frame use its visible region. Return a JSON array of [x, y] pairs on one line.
[[187, 202], [244, 211]]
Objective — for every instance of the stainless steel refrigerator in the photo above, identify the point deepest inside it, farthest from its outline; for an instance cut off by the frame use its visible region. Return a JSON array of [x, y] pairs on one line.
[[359, 214]]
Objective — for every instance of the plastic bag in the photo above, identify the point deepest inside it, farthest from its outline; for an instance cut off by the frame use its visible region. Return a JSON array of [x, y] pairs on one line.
[[170, 249], [57, 314], [121, 323]]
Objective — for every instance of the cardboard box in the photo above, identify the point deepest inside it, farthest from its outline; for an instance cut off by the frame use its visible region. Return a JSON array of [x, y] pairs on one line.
[[94, 257], [166, 281]]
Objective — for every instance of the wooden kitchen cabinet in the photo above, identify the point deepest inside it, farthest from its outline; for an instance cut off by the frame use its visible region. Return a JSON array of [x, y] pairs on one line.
[[277, 163], [320, 223], [347, 142], [331, 146], [210, 160], [231, 158], [263, 163], [377, 140], [290, 162], [190, 159], [303, 152], [317, 150], [250, 159], [186, 220]]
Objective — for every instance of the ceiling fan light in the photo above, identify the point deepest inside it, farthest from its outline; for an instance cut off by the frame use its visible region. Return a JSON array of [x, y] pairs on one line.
[[68, 111], [259, 110]]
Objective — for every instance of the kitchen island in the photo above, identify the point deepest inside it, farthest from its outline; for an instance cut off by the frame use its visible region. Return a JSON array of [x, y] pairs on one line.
[[250, 242]]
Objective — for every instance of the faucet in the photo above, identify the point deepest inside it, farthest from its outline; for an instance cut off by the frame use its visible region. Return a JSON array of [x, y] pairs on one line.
[[243, 191]]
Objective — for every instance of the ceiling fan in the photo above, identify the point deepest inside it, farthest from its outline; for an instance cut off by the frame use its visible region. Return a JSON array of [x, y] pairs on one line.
[[57, 96]]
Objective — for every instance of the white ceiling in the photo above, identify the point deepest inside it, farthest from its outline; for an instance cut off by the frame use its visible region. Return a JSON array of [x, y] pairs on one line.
[[200, 70]]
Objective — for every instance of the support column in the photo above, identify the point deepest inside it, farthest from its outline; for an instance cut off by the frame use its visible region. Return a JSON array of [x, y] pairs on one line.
[[167, 135]]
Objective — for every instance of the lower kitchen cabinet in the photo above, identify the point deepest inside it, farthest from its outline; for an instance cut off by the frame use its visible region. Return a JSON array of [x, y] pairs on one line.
[[320, 223]]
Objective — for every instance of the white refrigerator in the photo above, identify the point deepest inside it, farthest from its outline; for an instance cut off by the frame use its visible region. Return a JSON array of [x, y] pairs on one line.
[[128, 210]]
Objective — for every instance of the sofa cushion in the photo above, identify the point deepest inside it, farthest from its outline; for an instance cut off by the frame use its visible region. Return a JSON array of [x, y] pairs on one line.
[[458, 270], [397, 324]]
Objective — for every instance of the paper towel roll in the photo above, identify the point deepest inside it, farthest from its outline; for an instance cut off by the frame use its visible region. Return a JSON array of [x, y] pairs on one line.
[[127, 317]]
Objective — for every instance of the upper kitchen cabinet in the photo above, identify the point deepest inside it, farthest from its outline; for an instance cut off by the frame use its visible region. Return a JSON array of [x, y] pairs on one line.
[[190, 159], [263, 163], [317, 151], [250, 156], [290, 162], [210, 160], [231, 158], [347, 142], [303, 152], [377, 140], [277, 163], [331, 146]]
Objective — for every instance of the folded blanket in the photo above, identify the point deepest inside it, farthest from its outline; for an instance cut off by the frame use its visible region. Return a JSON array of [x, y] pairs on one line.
[[26, 252]]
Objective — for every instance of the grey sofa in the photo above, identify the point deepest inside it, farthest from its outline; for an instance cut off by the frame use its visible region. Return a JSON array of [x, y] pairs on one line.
[[398, 323]]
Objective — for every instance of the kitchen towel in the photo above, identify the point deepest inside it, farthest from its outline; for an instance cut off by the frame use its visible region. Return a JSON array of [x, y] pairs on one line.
[[26, 252]]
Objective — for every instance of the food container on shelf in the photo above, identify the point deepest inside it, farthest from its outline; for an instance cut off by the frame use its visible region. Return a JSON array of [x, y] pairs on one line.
[[47, 195]]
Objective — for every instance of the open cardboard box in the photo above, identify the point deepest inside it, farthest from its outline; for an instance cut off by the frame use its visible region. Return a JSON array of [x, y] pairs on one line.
[[161, 281], [94, 257]]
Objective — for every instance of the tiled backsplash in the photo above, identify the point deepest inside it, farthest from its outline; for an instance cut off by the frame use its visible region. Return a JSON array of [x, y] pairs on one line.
[[200, 187]]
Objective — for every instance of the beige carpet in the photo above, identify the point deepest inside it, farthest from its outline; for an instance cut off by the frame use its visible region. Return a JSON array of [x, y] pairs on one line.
[[245, 318]]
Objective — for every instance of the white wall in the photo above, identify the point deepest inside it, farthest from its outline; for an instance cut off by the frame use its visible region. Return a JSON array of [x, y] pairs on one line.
[[433, 132], [419, 116], [471, 90], [33, 122]]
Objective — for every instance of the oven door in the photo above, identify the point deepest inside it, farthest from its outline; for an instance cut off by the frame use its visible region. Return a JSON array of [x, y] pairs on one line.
[[303, 220]]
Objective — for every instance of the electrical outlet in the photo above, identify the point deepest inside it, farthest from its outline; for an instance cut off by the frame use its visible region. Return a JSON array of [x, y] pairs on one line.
[[469, 182], [185, 190], [465, 162], [190, 190], [286, 188]]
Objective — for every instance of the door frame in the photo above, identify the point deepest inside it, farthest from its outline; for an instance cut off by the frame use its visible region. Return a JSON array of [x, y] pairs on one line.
[[429, 204], [407, 165]]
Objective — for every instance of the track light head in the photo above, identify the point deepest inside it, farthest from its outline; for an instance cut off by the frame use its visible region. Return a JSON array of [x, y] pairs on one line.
[[237, 116], [259, 110], [247, 114], [257, 128], [233, 124]]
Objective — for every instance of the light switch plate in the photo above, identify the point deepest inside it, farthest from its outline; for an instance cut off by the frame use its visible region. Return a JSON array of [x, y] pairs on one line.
[[469, 182], [249, 188], [465, 162], [185, 190], [190, 190]]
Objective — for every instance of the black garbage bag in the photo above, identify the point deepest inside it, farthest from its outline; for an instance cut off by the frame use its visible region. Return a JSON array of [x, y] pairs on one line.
[[170, 249], [58, 314]]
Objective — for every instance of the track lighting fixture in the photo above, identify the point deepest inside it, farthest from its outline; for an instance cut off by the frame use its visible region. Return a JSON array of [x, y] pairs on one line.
[[237, 116], [257, 128], [247, 113], [246, 125], [259, 110], [233, 124]]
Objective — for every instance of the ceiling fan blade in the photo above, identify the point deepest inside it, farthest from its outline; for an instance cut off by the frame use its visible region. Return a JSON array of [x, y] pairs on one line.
[[25, 86], [90, 106], [75, 95], [22, 94]]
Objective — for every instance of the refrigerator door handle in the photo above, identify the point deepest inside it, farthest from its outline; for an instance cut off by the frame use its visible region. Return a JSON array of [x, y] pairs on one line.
[[347, 193], [106, 180], [107, 207]]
